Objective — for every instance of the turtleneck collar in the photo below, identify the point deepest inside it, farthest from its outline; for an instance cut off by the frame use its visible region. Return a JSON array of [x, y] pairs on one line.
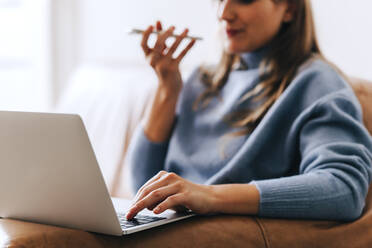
[[252, 60]]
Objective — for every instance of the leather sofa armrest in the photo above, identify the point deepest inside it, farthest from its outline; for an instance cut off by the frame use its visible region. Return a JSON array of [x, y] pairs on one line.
[[17, 234], [363, 90], [199, 231]]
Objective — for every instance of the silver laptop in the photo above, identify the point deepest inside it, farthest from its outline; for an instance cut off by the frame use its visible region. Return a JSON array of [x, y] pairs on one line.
[[49, 174]]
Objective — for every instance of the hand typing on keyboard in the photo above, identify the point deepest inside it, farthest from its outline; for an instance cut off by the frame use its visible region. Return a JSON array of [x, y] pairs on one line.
[[170, 191]]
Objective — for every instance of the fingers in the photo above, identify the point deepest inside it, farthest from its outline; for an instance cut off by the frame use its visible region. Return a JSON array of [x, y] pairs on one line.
[[162, 37], [146, 35], [155, 190], [170, 191], [177, 42], [152, 199], [173, 201], [159, 26], [184, 51], [150, 187], [160, 44], [145, 38], [153, 179]]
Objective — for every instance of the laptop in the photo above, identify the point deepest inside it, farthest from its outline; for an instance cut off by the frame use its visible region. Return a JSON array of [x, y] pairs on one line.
[[50, 175]]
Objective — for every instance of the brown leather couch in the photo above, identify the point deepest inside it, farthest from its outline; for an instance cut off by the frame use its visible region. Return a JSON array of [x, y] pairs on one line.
[[213, 231]]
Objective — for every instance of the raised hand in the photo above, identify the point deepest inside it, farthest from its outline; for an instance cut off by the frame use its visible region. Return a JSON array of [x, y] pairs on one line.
[[162, 58]]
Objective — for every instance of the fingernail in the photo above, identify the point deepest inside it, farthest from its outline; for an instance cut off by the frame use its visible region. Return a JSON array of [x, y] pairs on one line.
[[157, 210], [127, 216]]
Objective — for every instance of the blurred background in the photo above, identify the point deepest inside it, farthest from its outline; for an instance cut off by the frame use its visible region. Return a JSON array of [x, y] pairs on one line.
[[47, 45]]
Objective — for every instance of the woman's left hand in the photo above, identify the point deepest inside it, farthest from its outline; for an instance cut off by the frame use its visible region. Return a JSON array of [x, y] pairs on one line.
[[170, 191]]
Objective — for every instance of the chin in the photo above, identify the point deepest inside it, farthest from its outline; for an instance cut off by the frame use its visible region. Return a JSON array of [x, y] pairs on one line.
[[232, 48]]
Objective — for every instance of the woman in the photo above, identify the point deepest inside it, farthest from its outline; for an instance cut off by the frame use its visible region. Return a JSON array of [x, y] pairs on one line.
[[296, 144]]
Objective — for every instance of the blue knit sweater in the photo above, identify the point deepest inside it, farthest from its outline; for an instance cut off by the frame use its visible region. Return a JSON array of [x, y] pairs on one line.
[[310, 157]]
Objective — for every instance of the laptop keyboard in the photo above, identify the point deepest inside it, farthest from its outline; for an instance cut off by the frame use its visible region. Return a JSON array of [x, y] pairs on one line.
[[137, 221]]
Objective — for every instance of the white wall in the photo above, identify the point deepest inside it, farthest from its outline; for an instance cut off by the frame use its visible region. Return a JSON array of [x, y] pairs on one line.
[[345, 34], [24, 55], [64, 39], [104, 25]]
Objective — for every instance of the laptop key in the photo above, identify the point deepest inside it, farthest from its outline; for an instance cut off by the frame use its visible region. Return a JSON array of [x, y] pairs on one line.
[[138, 220]]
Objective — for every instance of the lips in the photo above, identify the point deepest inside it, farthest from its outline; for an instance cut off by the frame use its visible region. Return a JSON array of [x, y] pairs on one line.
[[231, 32]]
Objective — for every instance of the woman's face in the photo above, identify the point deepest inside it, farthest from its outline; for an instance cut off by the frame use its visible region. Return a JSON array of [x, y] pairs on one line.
[[250, 24]]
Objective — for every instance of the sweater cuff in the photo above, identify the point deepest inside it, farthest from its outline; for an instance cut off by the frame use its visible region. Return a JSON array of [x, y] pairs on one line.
[[146, 158], [283, 197]]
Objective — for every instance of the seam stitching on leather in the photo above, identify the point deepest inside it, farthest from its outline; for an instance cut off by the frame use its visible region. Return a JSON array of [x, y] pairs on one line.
[[263, 232]]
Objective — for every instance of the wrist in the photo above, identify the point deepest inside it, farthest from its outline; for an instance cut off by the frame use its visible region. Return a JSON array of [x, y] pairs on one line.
[[167, 93], [160, 119], [234, 199]]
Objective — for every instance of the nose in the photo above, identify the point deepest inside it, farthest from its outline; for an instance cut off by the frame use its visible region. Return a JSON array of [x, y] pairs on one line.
[[226, 11]]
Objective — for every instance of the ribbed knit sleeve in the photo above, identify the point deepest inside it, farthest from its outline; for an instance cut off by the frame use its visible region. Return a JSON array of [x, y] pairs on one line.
[[335, 168], [145, 158]]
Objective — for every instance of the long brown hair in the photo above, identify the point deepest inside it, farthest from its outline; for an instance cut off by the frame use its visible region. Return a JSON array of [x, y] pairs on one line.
[[295, 43]]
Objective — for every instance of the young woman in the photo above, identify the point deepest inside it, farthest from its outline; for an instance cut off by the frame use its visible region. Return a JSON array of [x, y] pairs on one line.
[[273, 130]]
